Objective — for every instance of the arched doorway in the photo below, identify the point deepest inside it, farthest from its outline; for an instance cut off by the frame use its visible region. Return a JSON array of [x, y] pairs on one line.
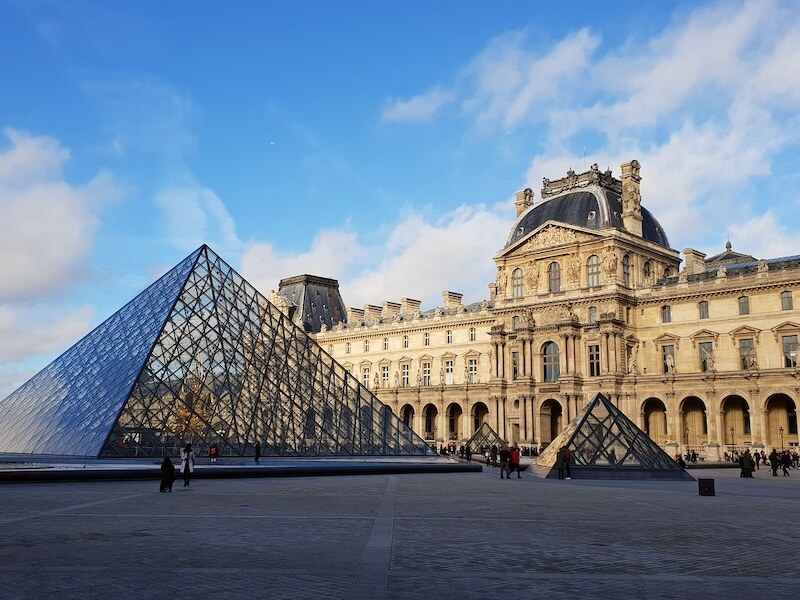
[[550, 420], [454, 429], [480, 415], [736, 421], [429, 415], [407, 416], [655, 420], [781, 422], [695, 422]]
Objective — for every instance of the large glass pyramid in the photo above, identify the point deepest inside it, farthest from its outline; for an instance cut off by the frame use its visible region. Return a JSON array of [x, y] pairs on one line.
[[606, 443], [200, 356]]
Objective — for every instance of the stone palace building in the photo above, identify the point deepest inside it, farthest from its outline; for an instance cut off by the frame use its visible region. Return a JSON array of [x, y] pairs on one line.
[[589, 297]]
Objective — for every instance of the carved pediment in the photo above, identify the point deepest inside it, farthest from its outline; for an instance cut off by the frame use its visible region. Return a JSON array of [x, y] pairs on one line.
[[785, 328], [703, 336], [666, 339], [745, 331]]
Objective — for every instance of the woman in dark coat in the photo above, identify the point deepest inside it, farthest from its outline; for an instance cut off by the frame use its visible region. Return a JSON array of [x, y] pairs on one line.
[[167, 475]]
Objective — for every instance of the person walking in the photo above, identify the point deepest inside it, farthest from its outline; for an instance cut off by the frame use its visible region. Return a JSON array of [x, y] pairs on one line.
[[563, 459], [167, 475], [258, 451], [213, 452], [515, 460], [748, 464], [187, 464], [773, 462], [786, 461], [505, 462]]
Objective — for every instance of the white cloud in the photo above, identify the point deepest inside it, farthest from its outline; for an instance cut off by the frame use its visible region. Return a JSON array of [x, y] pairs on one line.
[[46, 224], [419, 108], [763, 236], [195, 215], [27, 331], [417, 257]]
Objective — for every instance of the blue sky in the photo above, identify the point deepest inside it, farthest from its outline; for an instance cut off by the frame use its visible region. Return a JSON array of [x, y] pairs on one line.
[[377, 143]]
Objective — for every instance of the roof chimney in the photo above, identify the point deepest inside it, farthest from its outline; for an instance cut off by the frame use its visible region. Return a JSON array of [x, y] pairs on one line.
[[695, 261], [524, 200], [631, 198], [410, 307]]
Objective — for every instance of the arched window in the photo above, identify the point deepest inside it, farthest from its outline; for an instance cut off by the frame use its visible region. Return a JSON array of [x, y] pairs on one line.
[[646, 270], [667, 273], [593, 270], [626, 270], [551, 371], [517, 287], [554, 277]]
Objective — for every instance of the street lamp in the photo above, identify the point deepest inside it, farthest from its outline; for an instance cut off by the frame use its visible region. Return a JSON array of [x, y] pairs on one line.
[[780, 430], [733, 437]]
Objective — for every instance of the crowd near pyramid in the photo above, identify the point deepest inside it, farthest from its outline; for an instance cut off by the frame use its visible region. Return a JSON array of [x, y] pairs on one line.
[[200, 356]]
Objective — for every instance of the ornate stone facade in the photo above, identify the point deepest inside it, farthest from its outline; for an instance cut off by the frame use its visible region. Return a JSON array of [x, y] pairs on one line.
[[702, 358]]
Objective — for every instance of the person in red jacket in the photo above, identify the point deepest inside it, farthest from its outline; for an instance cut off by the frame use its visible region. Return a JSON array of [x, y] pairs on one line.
[[515, 462]]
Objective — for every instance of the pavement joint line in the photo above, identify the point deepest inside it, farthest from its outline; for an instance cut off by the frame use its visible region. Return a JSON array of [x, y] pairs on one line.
[[372, 578], [63, 509]]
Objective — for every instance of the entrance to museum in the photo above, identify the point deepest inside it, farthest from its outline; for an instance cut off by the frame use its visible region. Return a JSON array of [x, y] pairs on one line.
[[655, 420], [480, 415], [781, 422], [695, 423], [550, 421], [454, 430]]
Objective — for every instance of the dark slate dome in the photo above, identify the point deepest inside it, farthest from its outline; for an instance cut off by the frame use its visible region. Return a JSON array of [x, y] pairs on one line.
[[593, 207]]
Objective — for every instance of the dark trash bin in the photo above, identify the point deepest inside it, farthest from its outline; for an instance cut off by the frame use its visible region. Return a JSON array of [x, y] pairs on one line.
[[706, 487]]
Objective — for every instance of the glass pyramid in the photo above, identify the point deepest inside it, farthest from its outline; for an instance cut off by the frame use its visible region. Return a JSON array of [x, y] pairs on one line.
[[606, 443], [200, 356], [485, 438]]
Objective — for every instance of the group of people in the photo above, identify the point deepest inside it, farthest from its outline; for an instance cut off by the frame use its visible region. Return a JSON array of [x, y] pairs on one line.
[[186, 469], [508, 459]]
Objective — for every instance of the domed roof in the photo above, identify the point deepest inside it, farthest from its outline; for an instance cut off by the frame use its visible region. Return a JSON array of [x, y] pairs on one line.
[[592, 207]]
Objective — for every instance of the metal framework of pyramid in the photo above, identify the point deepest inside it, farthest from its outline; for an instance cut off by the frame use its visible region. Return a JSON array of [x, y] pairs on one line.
[[606, 444], [200, 356], [484, 438]]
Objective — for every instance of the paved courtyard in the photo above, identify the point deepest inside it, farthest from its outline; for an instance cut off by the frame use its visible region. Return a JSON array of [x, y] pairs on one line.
[[460, 535]]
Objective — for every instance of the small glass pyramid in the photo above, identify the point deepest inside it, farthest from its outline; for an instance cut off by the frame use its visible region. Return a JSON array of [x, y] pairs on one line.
[[200, 356], [606, 443], [484, 439]]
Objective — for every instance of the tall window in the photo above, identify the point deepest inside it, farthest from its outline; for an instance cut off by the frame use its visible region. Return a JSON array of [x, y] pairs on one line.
[[592, 314], [347, 348], [551, 370], [404, 370], [666, 314], [449, 336], [594, 360], [744, 305], [515, 365], [405, 341], [593, 271], [646, 270], [706, 356], [385, 343], [365, 377], [426, 339], [473, 336], [448, 372], [668, 358], [366, 345], [746, 350], [554, 277], [426, 373], [787, 302], [385, 376], [472, 370], [790, 351], [703, 307], [667, 273], [517, 287], [626, 270]]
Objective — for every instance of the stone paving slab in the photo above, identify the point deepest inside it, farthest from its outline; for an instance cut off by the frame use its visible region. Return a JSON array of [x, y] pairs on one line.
[[457, 535]]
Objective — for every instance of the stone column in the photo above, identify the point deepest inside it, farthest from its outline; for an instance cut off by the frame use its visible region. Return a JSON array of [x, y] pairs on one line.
[[532, 426], [604, 366]]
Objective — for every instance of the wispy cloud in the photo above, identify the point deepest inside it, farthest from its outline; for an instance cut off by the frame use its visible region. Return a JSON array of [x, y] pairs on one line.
[[419, 108]]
